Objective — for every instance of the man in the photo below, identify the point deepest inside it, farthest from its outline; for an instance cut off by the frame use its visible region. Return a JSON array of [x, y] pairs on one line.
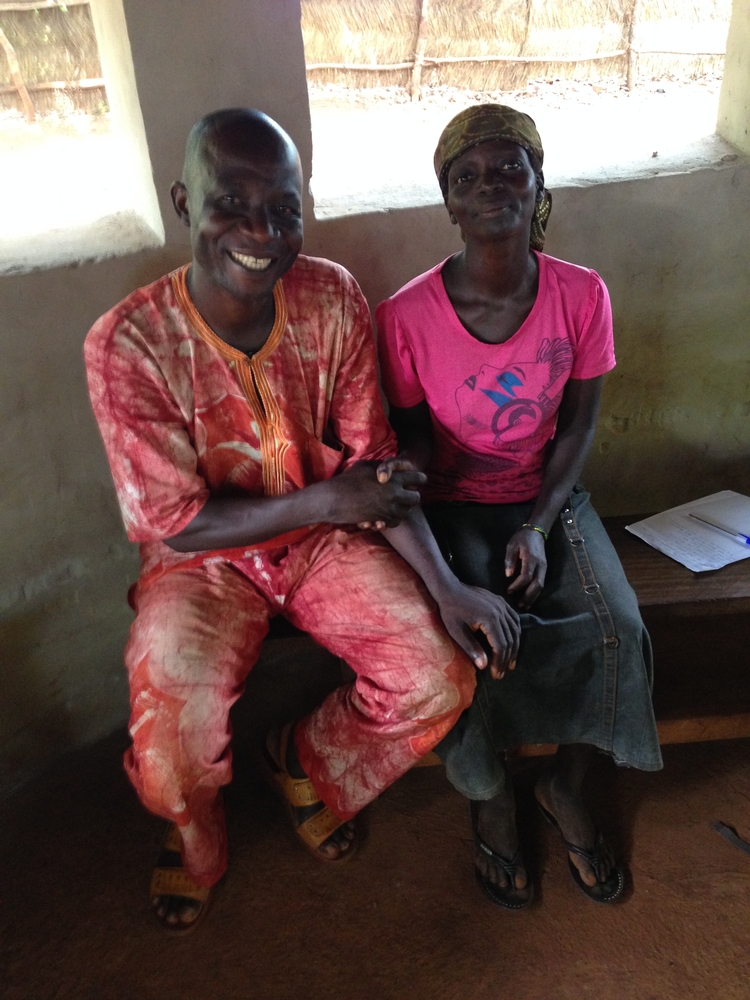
[[238, 403]]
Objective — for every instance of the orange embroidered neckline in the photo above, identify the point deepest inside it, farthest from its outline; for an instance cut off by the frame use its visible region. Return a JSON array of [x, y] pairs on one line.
[[201, 327]]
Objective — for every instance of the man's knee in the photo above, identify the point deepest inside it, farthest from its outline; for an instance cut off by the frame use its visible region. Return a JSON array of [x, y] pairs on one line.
[[464, 681], [158, 779], [192, 625], [449, 691], [168, 782], [180, 743]]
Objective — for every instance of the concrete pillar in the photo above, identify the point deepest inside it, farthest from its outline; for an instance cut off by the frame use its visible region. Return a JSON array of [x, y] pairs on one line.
[[733, 123]]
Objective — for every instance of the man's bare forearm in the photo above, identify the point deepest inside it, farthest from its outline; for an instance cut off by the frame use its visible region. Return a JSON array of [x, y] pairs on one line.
[[352, 497], [226, 522]]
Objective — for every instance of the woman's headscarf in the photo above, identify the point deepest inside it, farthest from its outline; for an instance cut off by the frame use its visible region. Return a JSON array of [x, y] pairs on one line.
[[481, 123]]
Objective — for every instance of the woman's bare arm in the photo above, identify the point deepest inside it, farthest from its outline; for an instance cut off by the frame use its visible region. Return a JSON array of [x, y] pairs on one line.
[[413, 427], [576, 423]]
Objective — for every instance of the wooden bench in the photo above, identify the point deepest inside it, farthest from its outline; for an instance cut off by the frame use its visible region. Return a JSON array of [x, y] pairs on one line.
[[675, 601], [700, 627], [666, 586]]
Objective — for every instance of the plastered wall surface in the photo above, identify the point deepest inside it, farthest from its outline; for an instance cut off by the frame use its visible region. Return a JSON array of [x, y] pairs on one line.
[[674, 252], [734, 105]]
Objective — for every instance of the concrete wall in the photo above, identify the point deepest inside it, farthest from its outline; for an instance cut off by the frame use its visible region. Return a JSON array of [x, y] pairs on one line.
[[734, 106], [674, 252]]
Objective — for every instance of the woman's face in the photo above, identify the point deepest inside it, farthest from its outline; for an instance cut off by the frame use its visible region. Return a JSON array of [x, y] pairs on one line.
[[493, 190]]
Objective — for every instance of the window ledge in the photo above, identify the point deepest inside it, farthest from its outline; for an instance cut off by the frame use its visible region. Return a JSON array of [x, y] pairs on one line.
[[387, 164], [95, 204]]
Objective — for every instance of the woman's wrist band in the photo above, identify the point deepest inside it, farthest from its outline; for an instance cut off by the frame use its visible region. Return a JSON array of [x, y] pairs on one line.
[[535, 527]]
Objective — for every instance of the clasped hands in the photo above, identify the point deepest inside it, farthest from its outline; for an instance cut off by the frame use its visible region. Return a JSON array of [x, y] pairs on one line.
[[376, 495]]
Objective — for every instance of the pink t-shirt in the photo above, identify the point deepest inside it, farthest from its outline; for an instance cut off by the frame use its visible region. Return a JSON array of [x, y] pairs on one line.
[[494, 406]]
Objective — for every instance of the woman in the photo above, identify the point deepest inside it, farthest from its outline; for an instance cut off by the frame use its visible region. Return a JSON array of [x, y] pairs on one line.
[[493, 364]]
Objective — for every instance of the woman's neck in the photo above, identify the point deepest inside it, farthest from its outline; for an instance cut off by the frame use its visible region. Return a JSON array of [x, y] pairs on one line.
[[492, 290], [497, 270]]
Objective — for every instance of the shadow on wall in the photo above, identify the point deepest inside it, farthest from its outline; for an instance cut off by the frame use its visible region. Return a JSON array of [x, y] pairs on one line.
[[659, 473], [45, 706]]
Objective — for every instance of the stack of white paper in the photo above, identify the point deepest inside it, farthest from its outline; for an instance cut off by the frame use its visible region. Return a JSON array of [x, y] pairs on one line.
[[695, 544]]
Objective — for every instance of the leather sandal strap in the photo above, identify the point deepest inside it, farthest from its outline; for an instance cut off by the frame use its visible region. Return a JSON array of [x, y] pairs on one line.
[[510, 867], [173, 839], [177, 882], [298, 792], [319, 827]]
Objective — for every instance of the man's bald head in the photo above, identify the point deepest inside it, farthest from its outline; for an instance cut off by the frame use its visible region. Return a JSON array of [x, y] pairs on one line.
[[241, 197], [236, 133]]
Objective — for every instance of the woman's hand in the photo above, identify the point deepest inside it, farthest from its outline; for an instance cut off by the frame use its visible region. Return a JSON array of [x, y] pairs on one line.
[[525, 555], [466, 610]]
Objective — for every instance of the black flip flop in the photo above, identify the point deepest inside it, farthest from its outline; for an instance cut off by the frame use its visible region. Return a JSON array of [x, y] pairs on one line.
[[603, 892], [506, 896]]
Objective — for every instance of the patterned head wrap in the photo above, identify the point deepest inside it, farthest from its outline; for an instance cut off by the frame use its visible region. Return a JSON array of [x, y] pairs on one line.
[[481, 123]]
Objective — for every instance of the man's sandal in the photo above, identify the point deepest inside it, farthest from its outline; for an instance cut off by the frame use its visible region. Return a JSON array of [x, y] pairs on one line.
[[502, 895], [603, 892], [299, 793], [170, 879]]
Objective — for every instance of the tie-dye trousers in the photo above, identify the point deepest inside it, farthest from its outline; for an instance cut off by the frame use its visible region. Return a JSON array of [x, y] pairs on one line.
[[198, 632]]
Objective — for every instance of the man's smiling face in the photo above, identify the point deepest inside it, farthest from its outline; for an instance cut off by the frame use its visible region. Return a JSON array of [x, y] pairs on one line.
[[242, 200]]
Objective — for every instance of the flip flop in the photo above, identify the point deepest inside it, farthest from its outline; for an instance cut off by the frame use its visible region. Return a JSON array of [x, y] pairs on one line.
[[603, 892], [506, 896], [169, 878], [299, 793]]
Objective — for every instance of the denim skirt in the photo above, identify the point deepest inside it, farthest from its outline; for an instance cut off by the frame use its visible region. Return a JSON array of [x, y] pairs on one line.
[[584, 671]]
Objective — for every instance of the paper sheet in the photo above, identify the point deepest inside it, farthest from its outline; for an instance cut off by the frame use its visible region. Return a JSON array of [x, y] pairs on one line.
[[699, 546]]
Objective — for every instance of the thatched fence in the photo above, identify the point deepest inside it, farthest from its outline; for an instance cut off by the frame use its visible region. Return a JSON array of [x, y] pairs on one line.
[[487, 45], [49, 60]]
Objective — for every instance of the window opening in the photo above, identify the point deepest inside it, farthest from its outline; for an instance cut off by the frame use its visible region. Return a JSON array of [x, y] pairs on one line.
[[74, 184], [618, 88]]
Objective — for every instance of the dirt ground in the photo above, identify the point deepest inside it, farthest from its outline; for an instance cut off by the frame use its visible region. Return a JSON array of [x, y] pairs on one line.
[[592, 132], [74, 158]]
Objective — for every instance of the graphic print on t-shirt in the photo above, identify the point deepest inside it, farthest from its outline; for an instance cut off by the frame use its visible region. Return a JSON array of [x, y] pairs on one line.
[[513, 402]]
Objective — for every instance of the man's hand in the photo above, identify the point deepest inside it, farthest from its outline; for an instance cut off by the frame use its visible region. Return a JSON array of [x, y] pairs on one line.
[[466, 610], [384, 472], [360, 496], [525, 555]]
